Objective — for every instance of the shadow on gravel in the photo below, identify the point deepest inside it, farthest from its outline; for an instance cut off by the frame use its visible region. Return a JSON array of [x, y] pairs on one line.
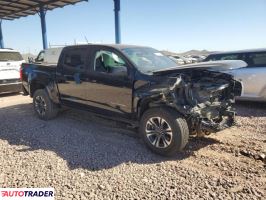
[[9, 94], [81, 139], [250, 109]]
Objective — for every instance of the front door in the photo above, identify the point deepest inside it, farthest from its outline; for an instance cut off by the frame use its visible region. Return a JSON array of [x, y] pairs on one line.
[[109, 87]]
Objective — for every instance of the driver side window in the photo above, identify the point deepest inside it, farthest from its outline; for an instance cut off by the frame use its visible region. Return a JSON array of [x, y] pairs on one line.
[[108, 62]]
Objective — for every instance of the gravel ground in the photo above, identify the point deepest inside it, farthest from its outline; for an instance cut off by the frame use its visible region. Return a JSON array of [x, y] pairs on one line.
[[84, 157]]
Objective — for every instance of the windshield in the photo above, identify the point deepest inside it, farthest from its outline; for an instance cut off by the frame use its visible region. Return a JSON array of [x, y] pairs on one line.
[[10, 56], [148, 60]]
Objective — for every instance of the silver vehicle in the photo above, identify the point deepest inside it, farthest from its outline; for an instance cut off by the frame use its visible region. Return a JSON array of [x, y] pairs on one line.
[[253, 77], [49, 56]]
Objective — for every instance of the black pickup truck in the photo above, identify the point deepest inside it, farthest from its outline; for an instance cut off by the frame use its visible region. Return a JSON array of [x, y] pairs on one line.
[[139, 86]]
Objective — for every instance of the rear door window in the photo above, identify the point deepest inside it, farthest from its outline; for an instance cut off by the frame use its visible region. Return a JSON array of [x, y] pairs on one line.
[[256, 59], [74, 59]]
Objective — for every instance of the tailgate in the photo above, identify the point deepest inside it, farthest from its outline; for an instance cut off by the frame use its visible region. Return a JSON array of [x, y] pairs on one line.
[[9, 71]]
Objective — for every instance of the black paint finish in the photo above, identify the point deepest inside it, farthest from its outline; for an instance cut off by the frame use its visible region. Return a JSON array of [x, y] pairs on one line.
[[200, 95]]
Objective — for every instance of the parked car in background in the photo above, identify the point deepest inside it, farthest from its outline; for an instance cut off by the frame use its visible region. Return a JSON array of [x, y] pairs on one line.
[[253, 77], [137, 85], [177, 59], [186, 60], [191, 59], [199, 58], [202, 57], [49, 56], [10, 63]]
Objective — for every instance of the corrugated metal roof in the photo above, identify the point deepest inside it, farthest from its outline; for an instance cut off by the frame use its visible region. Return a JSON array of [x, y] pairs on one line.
[[14, 9]]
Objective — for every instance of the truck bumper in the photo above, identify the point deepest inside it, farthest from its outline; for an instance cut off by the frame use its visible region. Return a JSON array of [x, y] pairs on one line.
[[10, 87], [205, 127]]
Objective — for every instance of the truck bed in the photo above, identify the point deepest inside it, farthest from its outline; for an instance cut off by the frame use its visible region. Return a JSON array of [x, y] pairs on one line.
[[45, 72]]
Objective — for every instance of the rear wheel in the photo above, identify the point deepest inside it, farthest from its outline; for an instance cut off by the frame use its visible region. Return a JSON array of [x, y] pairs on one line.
[[164, 131], [44, 107]]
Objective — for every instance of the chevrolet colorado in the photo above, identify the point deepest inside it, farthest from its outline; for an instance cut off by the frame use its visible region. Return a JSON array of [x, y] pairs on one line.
[[140, 86]]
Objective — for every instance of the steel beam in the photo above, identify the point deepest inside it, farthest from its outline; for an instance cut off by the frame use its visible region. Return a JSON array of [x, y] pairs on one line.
[[117, 22], [1, 36], [43, 24]]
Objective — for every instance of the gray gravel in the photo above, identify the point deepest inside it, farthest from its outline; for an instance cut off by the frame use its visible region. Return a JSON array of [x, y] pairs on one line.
[[84, 157]]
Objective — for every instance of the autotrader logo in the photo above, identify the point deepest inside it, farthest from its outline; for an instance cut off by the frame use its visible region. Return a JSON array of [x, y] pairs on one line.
[[26, 193]]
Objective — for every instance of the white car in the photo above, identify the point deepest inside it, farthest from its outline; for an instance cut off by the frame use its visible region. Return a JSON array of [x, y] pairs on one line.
[[10, 62]]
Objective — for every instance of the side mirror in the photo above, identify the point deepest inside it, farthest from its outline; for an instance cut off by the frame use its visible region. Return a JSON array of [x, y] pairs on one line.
[[119, 71]]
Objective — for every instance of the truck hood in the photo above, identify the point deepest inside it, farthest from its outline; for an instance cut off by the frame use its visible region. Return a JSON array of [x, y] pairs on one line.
[[224, 65]]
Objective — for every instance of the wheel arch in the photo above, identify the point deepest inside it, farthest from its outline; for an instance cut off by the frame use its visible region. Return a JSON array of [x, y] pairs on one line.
[[34, 86], [145, 104], [50, 88]]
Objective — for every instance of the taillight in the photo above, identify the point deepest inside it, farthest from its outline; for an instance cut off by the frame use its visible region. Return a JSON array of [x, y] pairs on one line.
[[20, 72]]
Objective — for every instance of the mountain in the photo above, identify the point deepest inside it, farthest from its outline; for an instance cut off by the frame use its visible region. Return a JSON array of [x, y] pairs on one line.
[[197, 52], [191, 52]]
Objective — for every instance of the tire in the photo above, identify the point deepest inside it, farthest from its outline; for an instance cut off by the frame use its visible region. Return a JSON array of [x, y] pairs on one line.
[[43, 106], [169, 141]]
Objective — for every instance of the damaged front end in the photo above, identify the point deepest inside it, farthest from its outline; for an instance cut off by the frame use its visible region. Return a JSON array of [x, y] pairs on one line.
[[205, 98]]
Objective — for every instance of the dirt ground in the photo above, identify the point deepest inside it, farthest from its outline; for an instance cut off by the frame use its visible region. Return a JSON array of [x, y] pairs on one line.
[[85, 157]]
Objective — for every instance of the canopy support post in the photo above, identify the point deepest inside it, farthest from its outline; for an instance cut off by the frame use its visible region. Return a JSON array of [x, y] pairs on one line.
[[1, 36], [43, 24], [117, 22]]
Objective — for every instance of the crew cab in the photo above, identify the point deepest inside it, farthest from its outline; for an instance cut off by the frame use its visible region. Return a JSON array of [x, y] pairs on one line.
[[10, 62], [139, 86]]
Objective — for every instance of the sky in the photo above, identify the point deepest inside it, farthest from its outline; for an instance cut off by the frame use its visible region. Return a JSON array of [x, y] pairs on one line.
[[174, 25]]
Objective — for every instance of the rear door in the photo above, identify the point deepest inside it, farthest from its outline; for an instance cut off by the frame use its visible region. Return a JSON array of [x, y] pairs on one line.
[[71, 75]]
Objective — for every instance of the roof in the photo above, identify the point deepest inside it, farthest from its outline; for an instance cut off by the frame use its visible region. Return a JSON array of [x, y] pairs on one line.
[[116, 46], [14, 9], [122, 46], [240, 51]]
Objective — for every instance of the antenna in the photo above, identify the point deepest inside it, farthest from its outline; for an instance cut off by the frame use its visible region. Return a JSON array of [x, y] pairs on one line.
[[86, 39]]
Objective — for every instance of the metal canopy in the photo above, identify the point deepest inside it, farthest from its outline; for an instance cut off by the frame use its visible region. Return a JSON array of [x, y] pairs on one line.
[[13, 9]]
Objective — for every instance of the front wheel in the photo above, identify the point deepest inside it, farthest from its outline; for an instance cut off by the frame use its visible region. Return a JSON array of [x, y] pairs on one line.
[[164, 131], [44, 107]]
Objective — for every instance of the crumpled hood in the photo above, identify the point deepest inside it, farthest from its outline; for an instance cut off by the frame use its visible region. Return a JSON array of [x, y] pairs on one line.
[[223, 65]]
